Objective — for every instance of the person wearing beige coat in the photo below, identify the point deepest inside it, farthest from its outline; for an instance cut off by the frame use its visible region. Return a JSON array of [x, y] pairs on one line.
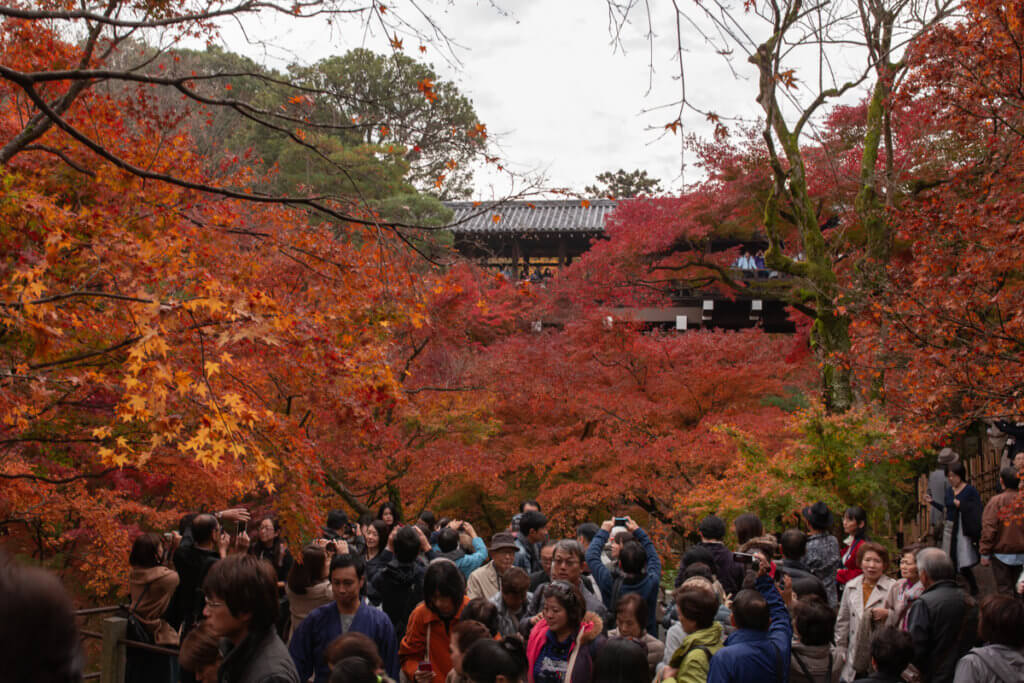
[[861, 610]]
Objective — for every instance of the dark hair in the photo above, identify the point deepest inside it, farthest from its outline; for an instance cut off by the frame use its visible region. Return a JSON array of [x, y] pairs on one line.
[[750, 610], [571, 600], [636, 605], [1001, 620], [633, 557], [487, 659], [309, 571], [699, 603], [447, 539], [698, 569], [793, 543], [528, 501], [872, 547], [468, 631], [246, 584], [199, 649], [383, 531], [348, 560], [406, 544], [810, 585], [387, 506], [353, 644], [532, 520], [698, 554], [912, 549], [814, 620], [39, 639], [712, 527], [483, 611], [623, 536], [747, 526], [958, 469], [515, 580], [145, 551], [271, 553], [1010, 479], [354, 670], [337, 519], [587, 530], [203, 527], [444, 578], [366, 519], [858, 514], [621, 660], [892, 649], [428, 518]]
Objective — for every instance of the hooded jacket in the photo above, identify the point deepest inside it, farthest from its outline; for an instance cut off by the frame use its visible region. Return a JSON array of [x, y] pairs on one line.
[[815, 658], [149, 604], [588, 641], [991, 664], [399, 587], [691, 659]]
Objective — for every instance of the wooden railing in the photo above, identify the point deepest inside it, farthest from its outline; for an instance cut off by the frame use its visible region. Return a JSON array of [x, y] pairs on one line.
[[115, 644]]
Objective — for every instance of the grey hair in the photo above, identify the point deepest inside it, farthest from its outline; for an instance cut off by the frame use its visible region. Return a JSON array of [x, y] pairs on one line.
[[570, 545], [936, 564]]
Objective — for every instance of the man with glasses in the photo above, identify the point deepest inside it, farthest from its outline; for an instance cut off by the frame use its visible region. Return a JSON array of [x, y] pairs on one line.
[[566, 565], [241, 609]]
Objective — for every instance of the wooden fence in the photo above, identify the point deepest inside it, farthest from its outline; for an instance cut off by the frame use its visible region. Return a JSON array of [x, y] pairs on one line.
[[114, 650]]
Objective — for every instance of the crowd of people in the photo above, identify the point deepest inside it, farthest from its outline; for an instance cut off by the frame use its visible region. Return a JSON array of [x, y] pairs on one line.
[[381, 601]]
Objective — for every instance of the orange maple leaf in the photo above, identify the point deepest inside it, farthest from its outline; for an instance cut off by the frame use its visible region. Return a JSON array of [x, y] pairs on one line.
[[396, 43], [585, 203]]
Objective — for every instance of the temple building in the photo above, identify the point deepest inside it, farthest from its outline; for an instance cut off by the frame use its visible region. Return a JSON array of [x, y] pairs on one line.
[[532, 240]]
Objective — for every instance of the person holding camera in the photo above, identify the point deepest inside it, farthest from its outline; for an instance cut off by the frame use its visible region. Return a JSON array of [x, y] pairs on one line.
[[449, 546], [759, 650], [638, 570], [308, 585], [399, 585], [203, 543]]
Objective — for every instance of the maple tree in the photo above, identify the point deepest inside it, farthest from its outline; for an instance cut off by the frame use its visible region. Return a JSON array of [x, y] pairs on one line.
[[175, 337], [949, 318]]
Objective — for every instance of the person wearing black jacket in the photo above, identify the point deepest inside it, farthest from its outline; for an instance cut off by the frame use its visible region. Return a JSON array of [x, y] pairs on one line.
[[963, 508], [792, 546], [539, 578], [197, 552], [728, 572], [943, 622], [398, 587]]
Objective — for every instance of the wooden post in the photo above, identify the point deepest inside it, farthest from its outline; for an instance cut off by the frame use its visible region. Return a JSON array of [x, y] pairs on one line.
[[562, 251], [112, 661]]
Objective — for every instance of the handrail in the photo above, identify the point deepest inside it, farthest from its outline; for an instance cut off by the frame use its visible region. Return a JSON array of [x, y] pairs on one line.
[[96, 610], [159, 649]]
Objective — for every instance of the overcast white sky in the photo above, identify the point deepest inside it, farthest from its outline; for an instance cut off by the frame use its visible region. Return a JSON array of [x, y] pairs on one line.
[[556, 95]]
